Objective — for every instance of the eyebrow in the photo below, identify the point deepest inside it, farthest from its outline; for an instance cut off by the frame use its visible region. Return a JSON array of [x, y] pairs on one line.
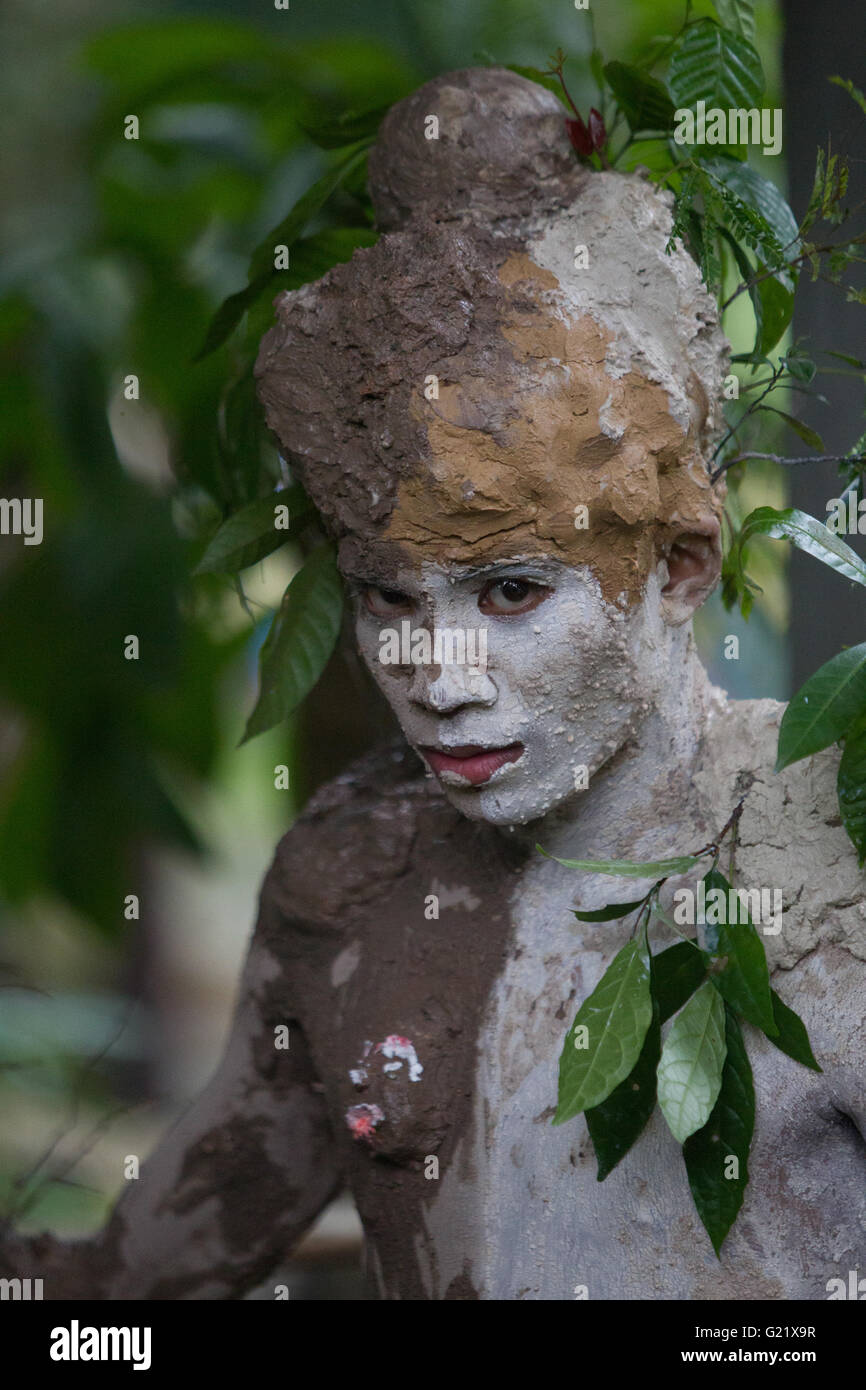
[[369, 577], [541, 567], [526, 563]]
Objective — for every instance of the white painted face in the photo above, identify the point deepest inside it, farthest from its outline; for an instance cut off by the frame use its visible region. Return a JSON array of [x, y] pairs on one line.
[[566, 676]]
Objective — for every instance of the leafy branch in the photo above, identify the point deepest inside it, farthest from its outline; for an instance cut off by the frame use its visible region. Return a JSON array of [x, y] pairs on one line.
[[810, 253], [787, 461], [614, 1064], [831, 706]]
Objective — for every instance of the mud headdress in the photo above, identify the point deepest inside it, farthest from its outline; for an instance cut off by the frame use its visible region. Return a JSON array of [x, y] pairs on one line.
[[516, 347]]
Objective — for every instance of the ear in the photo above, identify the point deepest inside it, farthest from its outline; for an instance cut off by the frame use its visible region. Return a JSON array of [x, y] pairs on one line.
[[694, 563]]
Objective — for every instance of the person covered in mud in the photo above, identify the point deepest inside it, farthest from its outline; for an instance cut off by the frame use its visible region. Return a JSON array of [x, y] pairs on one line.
[[509, 442]]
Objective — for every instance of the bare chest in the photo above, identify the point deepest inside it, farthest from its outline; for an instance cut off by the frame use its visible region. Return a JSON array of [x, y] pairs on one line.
[[442, 1067]]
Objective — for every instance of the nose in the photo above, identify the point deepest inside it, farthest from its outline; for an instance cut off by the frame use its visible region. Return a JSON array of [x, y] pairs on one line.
[[448, 688]]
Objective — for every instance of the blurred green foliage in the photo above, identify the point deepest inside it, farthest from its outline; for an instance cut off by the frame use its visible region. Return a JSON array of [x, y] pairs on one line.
[[93, 742]]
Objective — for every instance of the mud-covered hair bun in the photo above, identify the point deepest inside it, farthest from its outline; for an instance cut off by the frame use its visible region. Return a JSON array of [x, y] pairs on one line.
[[518, 341], [481, 144]]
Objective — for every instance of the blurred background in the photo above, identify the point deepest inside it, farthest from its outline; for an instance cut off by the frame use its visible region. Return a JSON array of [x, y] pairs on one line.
[[134, 832]]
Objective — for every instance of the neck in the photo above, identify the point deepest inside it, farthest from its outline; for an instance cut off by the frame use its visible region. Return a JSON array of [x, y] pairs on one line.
[[641, 804]]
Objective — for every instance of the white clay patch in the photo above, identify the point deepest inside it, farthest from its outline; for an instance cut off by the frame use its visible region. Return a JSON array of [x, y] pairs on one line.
[[397, 1049]]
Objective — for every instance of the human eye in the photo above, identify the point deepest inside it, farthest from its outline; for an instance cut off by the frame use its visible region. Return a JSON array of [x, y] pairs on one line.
[[511, 595], [385, 603]]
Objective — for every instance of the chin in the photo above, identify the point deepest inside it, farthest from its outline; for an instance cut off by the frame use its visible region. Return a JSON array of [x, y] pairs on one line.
[[510, 802], [478, 805]]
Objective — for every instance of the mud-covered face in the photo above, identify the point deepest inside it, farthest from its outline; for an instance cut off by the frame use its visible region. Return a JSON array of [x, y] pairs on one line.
[[533, 685]]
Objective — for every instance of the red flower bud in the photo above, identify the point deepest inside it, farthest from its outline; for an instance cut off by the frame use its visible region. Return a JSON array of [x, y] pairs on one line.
[[579, 135], [596, 129]]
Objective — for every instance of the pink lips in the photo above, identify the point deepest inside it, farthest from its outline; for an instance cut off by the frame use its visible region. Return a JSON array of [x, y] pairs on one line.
[[476, 764]]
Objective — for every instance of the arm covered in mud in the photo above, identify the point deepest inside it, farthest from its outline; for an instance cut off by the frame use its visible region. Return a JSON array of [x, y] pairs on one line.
[[235, 1182]]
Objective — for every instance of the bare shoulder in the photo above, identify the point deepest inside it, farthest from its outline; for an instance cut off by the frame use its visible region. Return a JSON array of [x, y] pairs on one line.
[[792, 840], [791, 834], [353, 838]]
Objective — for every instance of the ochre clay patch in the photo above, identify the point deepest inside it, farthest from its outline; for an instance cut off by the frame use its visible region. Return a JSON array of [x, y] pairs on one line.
[[530, 422], [507, 468], [520, 267]]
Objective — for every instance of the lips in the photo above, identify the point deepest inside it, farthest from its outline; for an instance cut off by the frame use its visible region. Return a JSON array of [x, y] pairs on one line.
[[475, 764]]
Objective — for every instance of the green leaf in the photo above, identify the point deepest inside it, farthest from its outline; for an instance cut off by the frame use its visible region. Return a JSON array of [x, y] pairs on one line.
[[611, 913], [792, 1037], [286, 232], [744, 983], [616, 1016], [742, 262], [617, 1122], [738, 16], [806, 433], [312, 256], [755, 358], [801, 367], [596, 67], [829, 188], [250, 535], [772, 303], [716, 66], [628, 868], [676, 973], [689, 188], [653, 155], [708, 244], [847, 85], [690, 1070], [851, 787], [641, 98], [303, 635], [331, 133], [724, 205], [239, 439], [262, 272], [817, 195], [777, 310], [544, 79], [807, 534], [726, 1135], [309, 259], [823, 710], [230, 313], [857, 451], [762, 196]]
